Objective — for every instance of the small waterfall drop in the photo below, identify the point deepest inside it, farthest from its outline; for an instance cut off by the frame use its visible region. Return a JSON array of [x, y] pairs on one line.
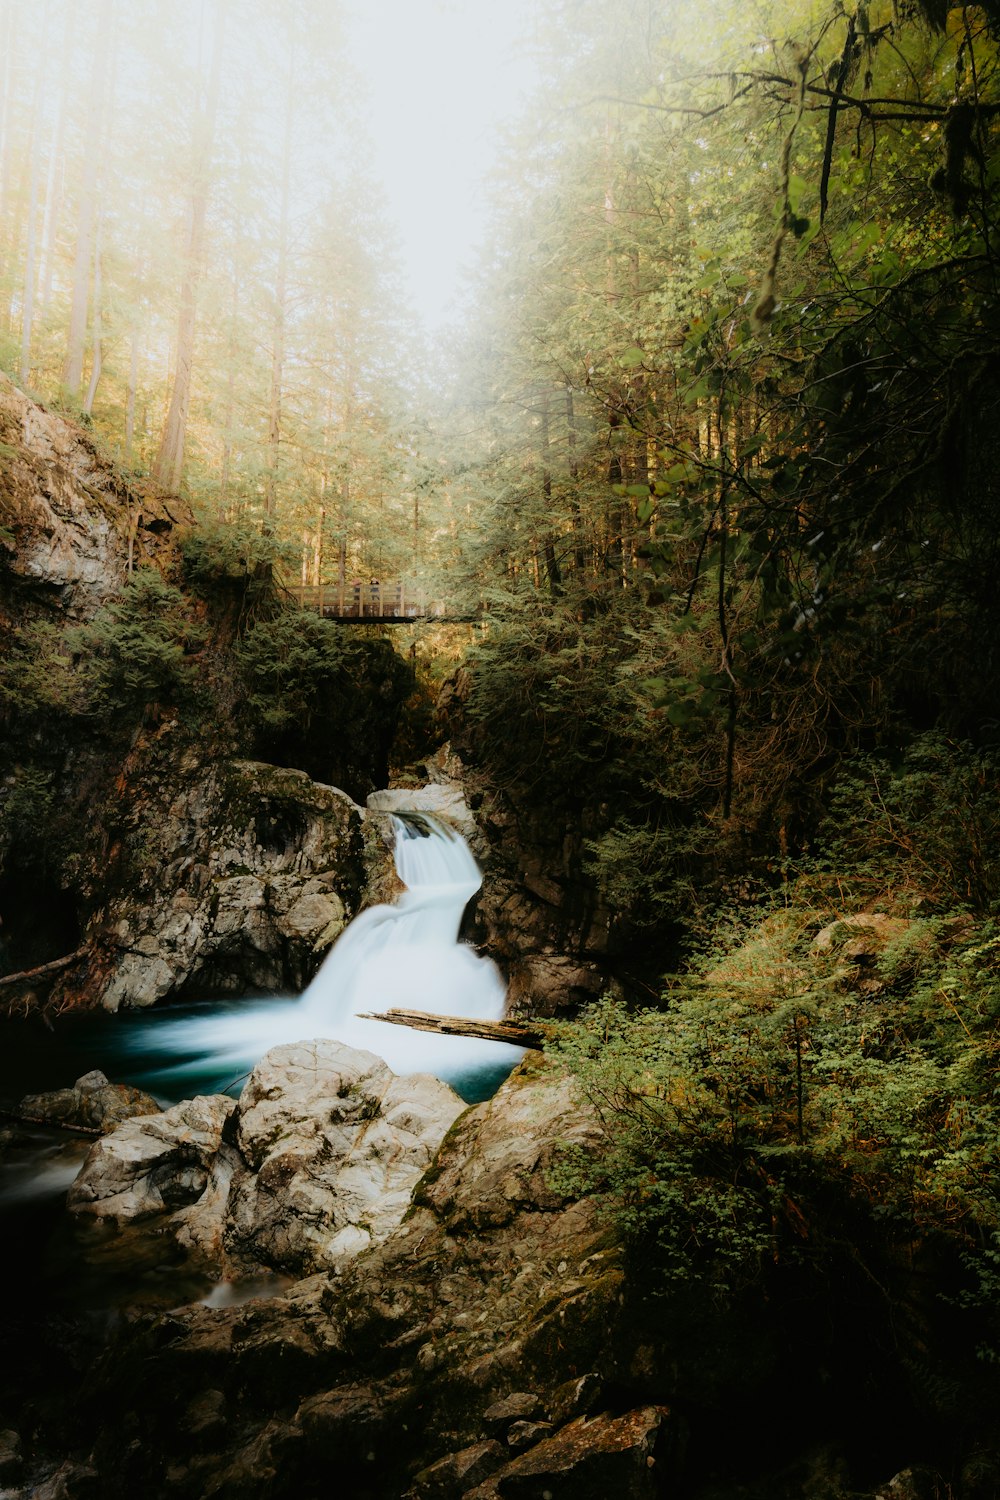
[[406, 954]]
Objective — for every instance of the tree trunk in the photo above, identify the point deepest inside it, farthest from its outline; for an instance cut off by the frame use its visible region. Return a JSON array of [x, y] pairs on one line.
[[54, 175], [28, 294], [169, 465], [133, 380], [98, 357], [7, 53], [521, 1034], [77, 337], [280, 311], [551, 561]]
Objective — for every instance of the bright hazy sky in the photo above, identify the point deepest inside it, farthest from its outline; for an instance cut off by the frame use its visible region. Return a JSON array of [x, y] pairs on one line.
[[445, 76]]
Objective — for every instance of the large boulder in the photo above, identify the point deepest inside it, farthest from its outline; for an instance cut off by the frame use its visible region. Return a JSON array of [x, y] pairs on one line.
[[334, 1144], [93, 1103], [154, 1163], [316, 1162]]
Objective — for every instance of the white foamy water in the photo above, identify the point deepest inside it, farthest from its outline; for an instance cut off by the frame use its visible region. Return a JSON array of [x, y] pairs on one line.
[[406, 954], [40, 1172]]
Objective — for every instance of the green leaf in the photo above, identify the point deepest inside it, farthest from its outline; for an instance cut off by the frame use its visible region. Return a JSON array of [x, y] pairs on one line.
[[632, 359]]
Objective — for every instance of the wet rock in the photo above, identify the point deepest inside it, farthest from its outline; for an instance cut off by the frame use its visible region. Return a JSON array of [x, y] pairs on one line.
[[93, 1102], [333, 1145], [154, 1163], [590, 1459], [316, 1163], [445, 801]]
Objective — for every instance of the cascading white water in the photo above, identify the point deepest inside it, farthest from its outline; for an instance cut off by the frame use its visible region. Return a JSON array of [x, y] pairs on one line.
[[406, 954]]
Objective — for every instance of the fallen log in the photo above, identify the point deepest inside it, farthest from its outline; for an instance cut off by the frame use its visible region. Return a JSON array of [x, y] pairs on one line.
[[48, 1122], [42, 971], [516, 1032]]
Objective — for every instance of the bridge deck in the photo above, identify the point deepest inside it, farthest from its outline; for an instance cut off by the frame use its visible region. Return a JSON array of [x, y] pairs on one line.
[[391, 602]]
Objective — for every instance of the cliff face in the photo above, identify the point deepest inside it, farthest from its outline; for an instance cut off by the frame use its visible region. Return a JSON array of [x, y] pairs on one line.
[[70, 523], [146, 852]]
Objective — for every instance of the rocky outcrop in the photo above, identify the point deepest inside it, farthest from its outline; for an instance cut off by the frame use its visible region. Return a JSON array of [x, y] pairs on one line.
[[316, 1162], [248, 875], [490, 1346], [589, 1459], [536, 914], [398, 1372], [445, 798], [70, 523]]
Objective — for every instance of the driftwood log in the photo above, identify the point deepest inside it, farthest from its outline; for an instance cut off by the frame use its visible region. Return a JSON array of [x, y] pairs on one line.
[[43, 971], [517, 1032]]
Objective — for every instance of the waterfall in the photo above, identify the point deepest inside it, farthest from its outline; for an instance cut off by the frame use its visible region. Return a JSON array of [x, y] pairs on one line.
[[406, 954]]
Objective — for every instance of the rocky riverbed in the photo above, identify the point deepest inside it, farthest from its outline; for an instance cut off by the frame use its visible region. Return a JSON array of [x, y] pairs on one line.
[[441, 1320]]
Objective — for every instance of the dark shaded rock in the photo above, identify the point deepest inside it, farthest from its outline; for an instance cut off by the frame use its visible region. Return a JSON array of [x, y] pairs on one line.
[[11, 1459], [591, 1459], [521, 1435], [918, 1483], [205, 1419], [517, 1407], [72, 1481], [574, 1398], [538, 913], [458, 1472]]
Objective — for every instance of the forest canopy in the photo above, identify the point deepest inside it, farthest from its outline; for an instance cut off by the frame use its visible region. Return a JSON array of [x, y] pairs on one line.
[[711, 449]]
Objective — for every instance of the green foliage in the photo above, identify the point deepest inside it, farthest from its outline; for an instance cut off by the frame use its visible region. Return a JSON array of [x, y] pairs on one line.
[[36, 678], [27, 801], [773, 1105], [322, 698], [235, 557], [136, 651], [557, 693], [927, 821]]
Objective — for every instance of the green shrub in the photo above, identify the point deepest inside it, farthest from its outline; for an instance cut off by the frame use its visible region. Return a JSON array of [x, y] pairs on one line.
[[927, 821], [27, 801], [232, 553], [321, 698], [136, 651], [771, 1111], [37, 679]]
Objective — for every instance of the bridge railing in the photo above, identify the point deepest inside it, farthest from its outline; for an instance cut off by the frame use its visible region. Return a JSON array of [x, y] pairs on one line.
[[376, 599]]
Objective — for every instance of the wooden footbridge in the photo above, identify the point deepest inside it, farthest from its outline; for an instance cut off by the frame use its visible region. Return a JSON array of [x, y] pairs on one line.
[[393, 601]]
